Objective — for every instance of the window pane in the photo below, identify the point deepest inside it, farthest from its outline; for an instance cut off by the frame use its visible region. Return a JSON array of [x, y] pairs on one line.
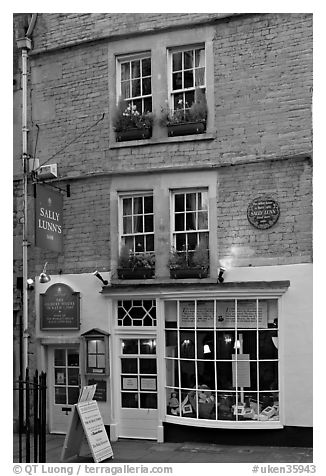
[[91, 361], [191, 201], [60, 376], [177, 61], [129, 400], [179, 202], [148, 346], [188, 375], [130, 346], [147, 366], [176, 81], [205, 345], [101, 361], [188, 59], [192, 241], [249, 343], [129, 366], [73, 394], [224, 375], [200, 77], [127, 225], [206, 374], [149, 223], [100, 346], [139, 244], [179, 224], [226, 402], [125, 90], [268, 375], [203, 201], [190, 97], [92, 347], [202, 221], [268, 344], [59, 357], [135, 88], [146, 84], [147, 105], [138, 224], [73, 358], [190, 221], [146, 67], [180, 241], [60, 395], [138, 205], [225, 345], [135, 69], [149, 242], [148, 204], [138, 104], [187, 345], [200, 57], [148, 400], [188, 79], [73, 376], [125, 71]]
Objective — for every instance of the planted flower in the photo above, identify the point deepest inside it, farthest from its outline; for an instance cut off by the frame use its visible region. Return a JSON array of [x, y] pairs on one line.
[[185, 264], [131, 124], [186, 119], [135, 265]]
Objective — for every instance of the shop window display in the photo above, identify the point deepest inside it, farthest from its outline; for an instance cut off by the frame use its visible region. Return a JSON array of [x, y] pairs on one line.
[[222, 359]]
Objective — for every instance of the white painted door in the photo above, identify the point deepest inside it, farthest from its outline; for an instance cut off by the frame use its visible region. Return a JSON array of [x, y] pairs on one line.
[[64, 379], [138, 387]]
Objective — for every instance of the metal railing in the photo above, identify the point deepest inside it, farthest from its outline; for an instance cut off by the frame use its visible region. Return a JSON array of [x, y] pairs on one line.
[[32, 416]]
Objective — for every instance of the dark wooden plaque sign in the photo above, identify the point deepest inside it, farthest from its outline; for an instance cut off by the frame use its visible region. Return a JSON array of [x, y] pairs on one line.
[[59, 308], [263, 212]]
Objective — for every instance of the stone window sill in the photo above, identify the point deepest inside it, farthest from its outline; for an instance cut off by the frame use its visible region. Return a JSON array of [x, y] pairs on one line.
[[163, 140]]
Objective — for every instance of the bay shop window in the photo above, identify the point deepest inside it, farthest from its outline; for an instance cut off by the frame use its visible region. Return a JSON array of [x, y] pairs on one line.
[[221, 359]]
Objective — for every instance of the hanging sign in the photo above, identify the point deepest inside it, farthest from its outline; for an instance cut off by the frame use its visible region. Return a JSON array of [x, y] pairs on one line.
[[241, 370], [86, 420], [263, 212], [59, 308], [48, 219]]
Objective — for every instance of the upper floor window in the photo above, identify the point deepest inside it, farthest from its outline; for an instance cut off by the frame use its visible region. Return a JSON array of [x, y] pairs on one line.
[[187, 67], [134, 82], [190, 220], [137, 223]]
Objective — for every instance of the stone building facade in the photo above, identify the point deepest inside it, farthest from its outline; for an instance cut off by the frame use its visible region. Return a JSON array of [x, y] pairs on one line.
[[256, 73]]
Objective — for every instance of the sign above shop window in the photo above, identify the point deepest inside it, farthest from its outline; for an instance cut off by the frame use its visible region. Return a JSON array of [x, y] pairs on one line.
[[59, 308], [263, 212], [48, 219]]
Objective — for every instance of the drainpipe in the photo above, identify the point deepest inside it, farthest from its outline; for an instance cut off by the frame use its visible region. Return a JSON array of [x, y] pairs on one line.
[[25, 44]]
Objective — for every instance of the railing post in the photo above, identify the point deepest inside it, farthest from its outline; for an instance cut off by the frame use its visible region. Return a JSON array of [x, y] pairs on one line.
[[20, 417], [27, 424], [42, 403], [36, 390]]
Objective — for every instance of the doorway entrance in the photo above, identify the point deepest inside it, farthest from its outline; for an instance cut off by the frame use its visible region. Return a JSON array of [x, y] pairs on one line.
[[138, 387], [64, 385]]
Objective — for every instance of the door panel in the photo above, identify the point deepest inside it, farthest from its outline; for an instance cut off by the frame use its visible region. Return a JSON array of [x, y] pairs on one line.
[[64, 383], [138, 387]]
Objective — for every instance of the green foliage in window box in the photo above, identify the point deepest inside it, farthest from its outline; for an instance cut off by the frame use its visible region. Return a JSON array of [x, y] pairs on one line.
[[189, 265], [126, 117], [197, 112], [135, 265]]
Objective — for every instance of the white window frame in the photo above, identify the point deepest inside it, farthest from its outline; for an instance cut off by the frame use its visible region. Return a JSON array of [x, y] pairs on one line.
[[172, 214], [128, 58], [170, 52], [133, 195]]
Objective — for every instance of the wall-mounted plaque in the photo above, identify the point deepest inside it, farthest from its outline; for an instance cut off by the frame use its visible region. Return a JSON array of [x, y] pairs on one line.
[[59, 308], [263, 212]]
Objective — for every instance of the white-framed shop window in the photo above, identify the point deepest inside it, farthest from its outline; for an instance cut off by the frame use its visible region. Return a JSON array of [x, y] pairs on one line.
[[136, 222], [186, 73], [134, 81], [222, 360], [189, 220]]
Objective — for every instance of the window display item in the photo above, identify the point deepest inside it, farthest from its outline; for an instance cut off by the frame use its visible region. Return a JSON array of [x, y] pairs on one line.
[[206, 401], [173, 402]]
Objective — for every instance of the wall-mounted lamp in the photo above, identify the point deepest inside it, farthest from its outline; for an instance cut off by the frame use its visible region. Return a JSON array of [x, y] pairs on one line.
[[220, 278], [44, 278], [104, 281], [30, 284]]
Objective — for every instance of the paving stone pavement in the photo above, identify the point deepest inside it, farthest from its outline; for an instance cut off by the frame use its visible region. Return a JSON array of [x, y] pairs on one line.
[[146, 451]]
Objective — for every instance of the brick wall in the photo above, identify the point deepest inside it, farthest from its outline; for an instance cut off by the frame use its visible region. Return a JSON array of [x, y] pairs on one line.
[[263, 81], [289, 241]]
